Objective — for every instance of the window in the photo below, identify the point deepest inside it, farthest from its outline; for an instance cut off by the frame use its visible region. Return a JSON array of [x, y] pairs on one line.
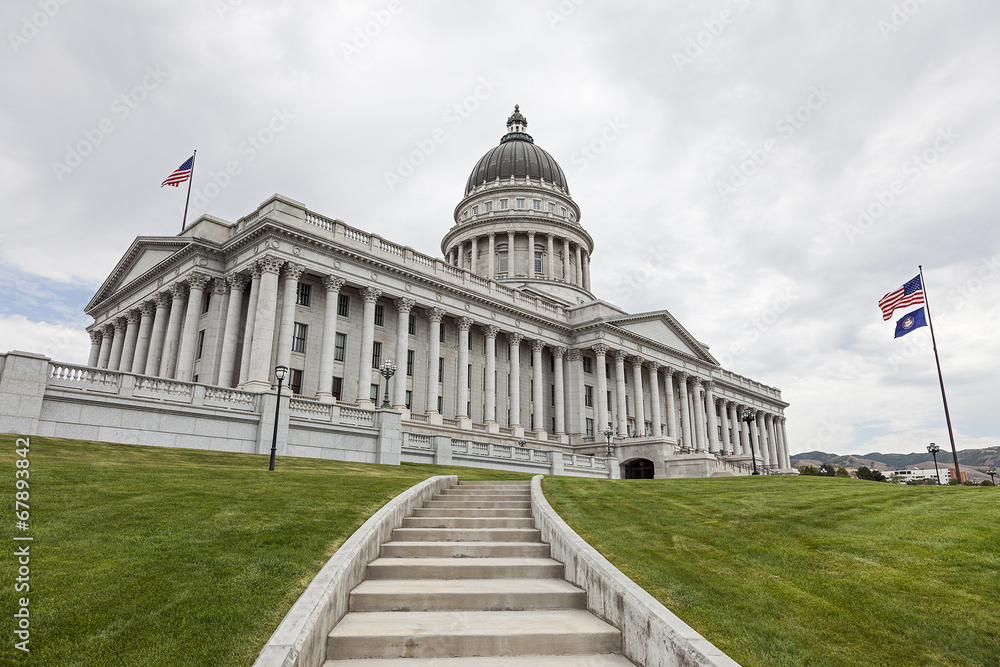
[[552, 363], [488, 206], [553, 430], [376, 355], [503, 204], [609, 400], [195, 379], [552, 207], [588, 365], [411, 326], [373, 394], [299, 337], [337, 387], [205, 302], [588, 396], [475, 210], [553, 393], [295, 381], [470, 379], [201, 344], [344, 305], [627, 411], [409, 362], [531, 391], [590, 427], [409, 399], [562, 209], [379, 315], [470, 341], [441, 369], [538, 262], [520, 203], [339, 347], [303, 295], [502, 256], [536, 204], [440, 407], [441, 332]]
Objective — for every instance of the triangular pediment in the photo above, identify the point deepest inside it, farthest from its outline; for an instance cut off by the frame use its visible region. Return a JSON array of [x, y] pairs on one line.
[[661, 328], [144, 255]]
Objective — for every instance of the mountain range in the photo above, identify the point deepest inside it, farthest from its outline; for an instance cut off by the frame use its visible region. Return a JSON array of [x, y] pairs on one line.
[[973, 458]]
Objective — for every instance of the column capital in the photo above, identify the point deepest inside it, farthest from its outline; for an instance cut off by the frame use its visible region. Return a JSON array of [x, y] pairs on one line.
[[668, 371], [120, 324], [574, 355], [255, 270], [637, 362], [237, 281], [178, 291], [95, 336], [695, 380], [333, 283], [371, 294], [558, 351], [435, 314], [493, 236], [709, 385], [404, 305], [465, 323], [653, 366], [220, 286], [269, 264], [133, 316], [491, 331], [198, 281], [162, 300], [515, 339], [680, 375], [537, 345], [600, 349], [108, 330], [293, 271], [620, 355]]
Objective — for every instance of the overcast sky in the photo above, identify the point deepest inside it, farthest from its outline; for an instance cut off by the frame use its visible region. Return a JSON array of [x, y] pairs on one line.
[[765, 171]]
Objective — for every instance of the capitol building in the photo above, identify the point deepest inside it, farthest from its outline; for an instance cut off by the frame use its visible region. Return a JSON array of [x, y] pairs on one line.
[[504, 356]]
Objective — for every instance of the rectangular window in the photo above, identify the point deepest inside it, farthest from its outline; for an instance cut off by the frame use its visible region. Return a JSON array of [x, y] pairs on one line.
[[553, 430], [339, 347], [409, 362], [588, 365], [299, 338], [488, 206], [440, 405], [303, 294], [411, 326], [531, 422], [379, 315], [470, 341], [531, 390], [376, 355], [552, 387], [590, 427], [470, 378], [295, 381], [205, 302], [195, 379], [201, 344], [627, 411], [536, 204], [503, 204], [441, 333], [562, 209], [441, 369], [538, 262], [520, 203], [588, 396], [502, 256], [609, 401], [552, 207], [409, 399], [552, 363], [336, 387], [344, 306], [373, 394]]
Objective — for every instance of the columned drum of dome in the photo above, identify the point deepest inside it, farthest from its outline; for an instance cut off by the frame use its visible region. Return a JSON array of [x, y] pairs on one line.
[[517, 223]]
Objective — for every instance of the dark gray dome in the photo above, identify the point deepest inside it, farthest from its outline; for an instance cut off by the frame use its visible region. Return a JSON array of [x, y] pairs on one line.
[[517, 156]]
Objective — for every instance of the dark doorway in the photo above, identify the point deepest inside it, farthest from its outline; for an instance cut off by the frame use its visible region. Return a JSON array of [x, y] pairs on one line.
[[637, 469]]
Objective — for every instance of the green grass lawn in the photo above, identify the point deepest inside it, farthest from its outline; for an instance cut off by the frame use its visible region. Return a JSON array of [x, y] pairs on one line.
[[807, 571], [152, 556]]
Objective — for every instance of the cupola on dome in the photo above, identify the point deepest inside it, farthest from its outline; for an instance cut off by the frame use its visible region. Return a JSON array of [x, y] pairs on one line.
[[517, 156]]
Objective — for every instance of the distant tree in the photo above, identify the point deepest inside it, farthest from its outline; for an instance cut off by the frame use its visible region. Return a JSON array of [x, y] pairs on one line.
[[864, 472], [895, 479], [954, 482], [986, 482], [842, 472], [827, 470], [969, 482], [808, 470]]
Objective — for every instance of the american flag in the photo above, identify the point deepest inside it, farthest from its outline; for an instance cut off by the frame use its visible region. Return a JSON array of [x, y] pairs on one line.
[[182, 174], [910, 294]]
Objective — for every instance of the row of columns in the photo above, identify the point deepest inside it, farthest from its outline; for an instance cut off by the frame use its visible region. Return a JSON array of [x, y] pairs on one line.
[[578, 274]]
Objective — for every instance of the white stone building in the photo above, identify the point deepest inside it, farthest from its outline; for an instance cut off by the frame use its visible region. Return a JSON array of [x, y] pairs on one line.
[[500, 340]]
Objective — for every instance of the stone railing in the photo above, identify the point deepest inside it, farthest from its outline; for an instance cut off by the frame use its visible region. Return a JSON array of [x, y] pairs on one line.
[[309, 409], [230, 398], [424, 419], [358, 416], [577, 461], [417, 441], [81, 377], [150, 387]]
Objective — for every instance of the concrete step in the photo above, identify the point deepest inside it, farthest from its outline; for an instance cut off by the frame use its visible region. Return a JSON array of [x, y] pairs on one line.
[[484, 504], [467, 522], [466, 594], [506, 485], [440, 634], [465, 550], [483, 491], [466, 535], [464, 568], [607, 660], [496, 497], [471, 511]]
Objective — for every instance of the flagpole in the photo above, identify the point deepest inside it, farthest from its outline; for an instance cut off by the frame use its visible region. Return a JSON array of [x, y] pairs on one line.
[[190, 181], [937, 360]]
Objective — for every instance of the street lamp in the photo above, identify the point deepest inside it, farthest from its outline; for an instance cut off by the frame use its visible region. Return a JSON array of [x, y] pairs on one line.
[[934, 449], [750, 415], [608, 432], [387, 369], [991, 472], [279, 373]]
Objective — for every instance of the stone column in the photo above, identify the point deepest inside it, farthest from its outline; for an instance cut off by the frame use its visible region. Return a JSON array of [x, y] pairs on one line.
[[560, 398], [403, 308], [713, 424], [685, 411], [464, 324], [700, 416], [601, 369], [551, 256], [370, 295], [620, 389], [333, 284], [745, 433], [490, 333], [131, 338], [578, 279], [764, 450], [640, 408], [772, 443], [514, 339], [259, 369], [575, 419], [586, 271], [654, 397], [189, 338], [491, 260], [95, 348], [156, 342], [285, 330], [531, 254], [147, 311], [538, 401], [734, 426], [107, 340], [215, 331], [474, 250], [231, 330], [784, 443], [566, 276], [434, 316], [117, 344], [248, 327], [668, 382], [511, 267]]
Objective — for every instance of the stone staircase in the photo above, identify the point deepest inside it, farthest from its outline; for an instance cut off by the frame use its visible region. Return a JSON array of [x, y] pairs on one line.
[[468, 581]]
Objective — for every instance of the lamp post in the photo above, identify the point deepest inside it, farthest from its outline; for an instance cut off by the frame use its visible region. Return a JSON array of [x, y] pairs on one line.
[[279, 373], [608, 432], [934, 449], [522, 443], [749, 415], [387, 369], [991, 472]]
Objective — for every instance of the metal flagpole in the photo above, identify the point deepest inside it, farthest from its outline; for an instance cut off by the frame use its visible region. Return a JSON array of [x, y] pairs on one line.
[[190, 181], [937, 360]]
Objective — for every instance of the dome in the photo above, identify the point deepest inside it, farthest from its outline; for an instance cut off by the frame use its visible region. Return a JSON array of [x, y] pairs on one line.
[[517, 156]]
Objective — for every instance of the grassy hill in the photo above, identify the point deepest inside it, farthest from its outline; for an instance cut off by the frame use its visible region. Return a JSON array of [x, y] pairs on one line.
[[976, 458], [149, 556]]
